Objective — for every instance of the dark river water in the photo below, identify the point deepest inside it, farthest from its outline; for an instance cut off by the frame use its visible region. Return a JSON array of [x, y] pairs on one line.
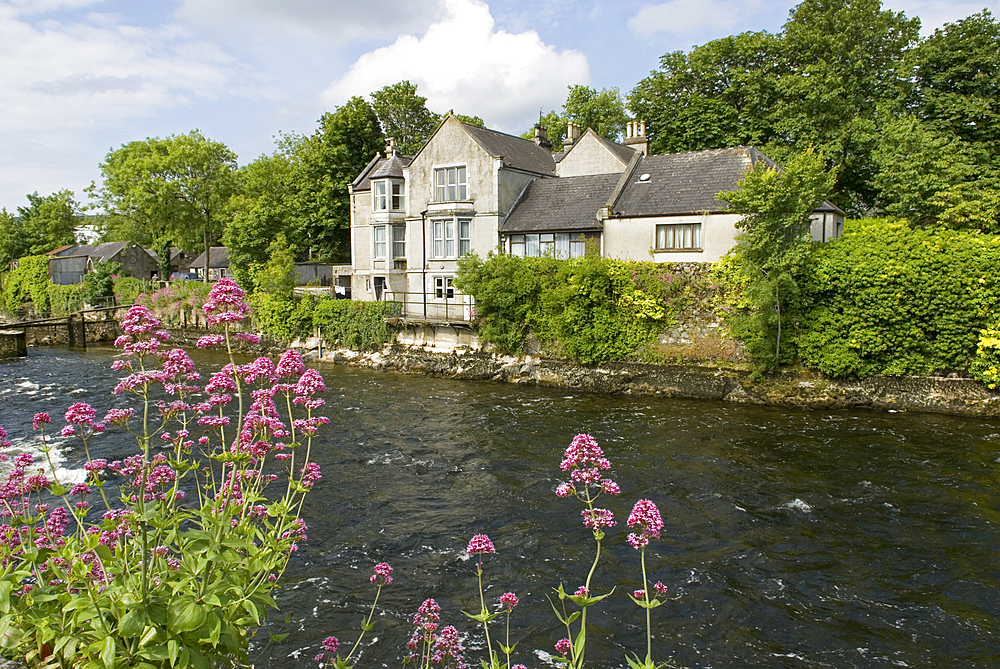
[[791, 538]]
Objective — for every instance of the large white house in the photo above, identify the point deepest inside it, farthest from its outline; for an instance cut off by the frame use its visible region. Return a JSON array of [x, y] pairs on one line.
[[470, 189]]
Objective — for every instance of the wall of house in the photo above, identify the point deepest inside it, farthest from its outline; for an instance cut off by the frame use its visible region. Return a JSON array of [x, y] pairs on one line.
[[826, 226], [136, 262], [589, 156], [635, 238], [361, 245]]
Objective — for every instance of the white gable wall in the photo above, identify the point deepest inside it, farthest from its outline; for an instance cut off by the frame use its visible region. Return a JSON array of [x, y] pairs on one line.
[[635, 238], [589, 156]]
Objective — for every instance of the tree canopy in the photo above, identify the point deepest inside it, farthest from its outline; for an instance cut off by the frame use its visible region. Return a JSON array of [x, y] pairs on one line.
[[48, 222], [404, 115], [603, 111], [177, 187]]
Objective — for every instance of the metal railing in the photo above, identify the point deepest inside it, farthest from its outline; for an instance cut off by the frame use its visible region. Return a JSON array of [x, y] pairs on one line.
[[456, 309]]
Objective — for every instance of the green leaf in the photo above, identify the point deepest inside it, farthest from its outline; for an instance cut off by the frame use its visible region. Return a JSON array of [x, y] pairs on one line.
[[184, 615], [4, 596], [132, 624], [108, 653], [173, 651]]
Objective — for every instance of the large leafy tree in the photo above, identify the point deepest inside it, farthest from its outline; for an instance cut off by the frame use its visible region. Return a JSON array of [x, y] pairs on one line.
[[602, 110], [404, 115], [322, 167], [772, 251], [721, 94], [47, 222], [176, 187]]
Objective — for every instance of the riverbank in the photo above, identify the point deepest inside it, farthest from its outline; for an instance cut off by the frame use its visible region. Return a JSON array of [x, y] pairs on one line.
[[955, 396]]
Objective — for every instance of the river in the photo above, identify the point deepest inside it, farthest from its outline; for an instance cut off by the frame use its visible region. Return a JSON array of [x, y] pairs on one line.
[[792, 538]]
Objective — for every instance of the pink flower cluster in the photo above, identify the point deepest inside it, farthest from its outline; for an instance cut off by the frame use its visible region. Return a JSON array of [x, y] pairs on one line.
[[584, 460], [596, 519], [382, 575], [225, 303], [646, 517], [330, 645], [508, 600], [427, 645], [479, 545]]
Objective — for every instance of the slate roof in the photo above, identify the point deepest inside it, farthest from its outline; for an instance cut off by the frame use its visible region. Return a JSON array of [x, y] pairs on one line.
[[218, 257], [516, 152], [567, 203], [684, 183], [381, 168]]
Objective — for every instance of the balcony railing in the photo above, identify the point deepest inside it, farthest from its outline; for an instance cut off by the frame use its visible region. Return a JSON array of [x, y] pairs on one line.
[[417, 306]]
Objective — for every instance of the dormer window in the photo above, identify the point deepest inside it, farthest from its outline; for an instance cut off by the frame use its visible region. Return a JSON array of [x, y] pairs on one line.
[[450, 184], [388, 195]]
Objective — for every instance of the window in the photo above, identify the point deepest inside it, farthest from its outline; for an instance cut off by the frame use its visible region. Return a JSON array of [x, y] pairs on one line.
[[446, 243], [443, 288], [399, 242], [379, 200], [450, 186], [678, 236], [398, 196], [556, 245], [380, 241]]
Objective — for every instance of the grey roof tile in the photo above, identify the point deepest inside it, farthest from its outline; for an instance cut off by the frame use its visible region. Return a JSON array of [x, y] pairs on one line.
[[567, 203], [517, 152]]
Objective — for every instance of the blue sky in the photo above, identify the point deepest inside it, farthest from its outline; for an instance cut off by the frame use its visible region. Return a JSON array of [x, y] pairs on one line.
[[82, 77]]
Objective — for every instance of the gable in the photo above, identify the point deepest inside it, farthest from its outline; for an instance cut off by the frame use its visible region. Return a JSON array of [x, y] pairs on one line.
[[593, 154]]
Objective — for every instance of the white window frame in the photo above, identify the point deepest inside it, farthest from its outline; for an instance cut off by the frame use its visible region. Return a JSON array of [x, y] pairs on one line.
[[561, 245], [380, 247], [398, 241], [451, 237], [451, 184], [679, 236], [444, 287], [397, 193], [380, 199]]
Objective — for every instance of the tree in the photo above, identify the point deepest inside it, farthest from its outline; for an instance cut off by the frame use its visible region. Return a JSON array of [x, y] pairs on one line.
[[721, 94], [176, 187], [260, 211], [603, 111], [930, 177], [404, 115], [323, 165], [956, 82], [277, 276], [47, 222], [773, 250]]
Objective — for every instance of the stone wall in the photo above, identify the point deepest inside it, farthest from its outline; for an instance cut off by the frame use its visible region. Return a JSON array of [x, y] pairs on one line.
[[965, 397], [13, 344]]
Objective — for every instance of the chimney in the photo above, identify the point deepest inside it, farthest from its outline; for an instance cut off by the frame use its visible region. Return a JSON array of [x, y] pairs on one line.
[[572, 134], [391, 149], [635, 137], [542, 136]]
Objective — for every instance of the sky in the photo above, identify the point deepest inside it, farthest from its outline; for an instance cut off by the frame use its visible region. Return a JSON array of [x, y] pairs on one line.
[[80, 78]]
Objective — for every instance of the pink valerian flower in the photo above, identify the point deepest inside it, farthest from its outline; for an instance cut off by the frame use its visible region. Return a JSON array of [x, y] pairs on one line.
[[143, 333], [225, 303], [382, 575], [508, 600], [222, 381], [645, 516], [563, 646], [565, 490], [259, 371], [582, 591], [210, 340], [610, 487], [39, 420], [659, 588], [67, 431], [290, 365], [584, 460], [4, 441], [447, 650], [310, 474], [479, 545], [639, 594], [330, 644], [595, 519], [119, 417], [247, 336], [80, 413], [310, 384]]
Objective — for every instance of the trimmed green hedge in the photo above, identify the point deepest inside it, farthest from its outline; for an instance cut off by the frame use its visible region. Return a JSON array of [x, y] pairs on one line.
[[355, 324]]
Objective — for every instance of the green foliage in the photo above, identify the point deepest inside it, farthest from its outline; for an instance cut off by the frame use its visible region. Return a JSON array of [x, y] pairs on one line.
[[986, 365], [893, 300], [589, 309], [46, 223], [355, 324], [277, 276], [603, 111], [65, 300], [98, 285], [282, 318], [773, 252], [404, 116], [127, 289], [175, 188], [178, 302], [29, 281]]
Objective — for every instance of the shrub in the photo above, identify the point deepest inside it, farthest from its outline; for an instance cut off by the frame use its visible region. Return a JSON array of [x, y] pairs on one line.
[[179, 301], [280, 318], [127, 289], [29, 281], [99, 284], [355, 324], [64, 300], [986, 365], [892, 300]]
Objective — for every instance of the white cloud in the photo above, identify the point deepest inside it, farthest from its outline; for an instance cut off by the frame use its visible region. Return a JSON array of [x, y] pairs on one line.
[[934, 13], [463, 63], [680, 17]]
